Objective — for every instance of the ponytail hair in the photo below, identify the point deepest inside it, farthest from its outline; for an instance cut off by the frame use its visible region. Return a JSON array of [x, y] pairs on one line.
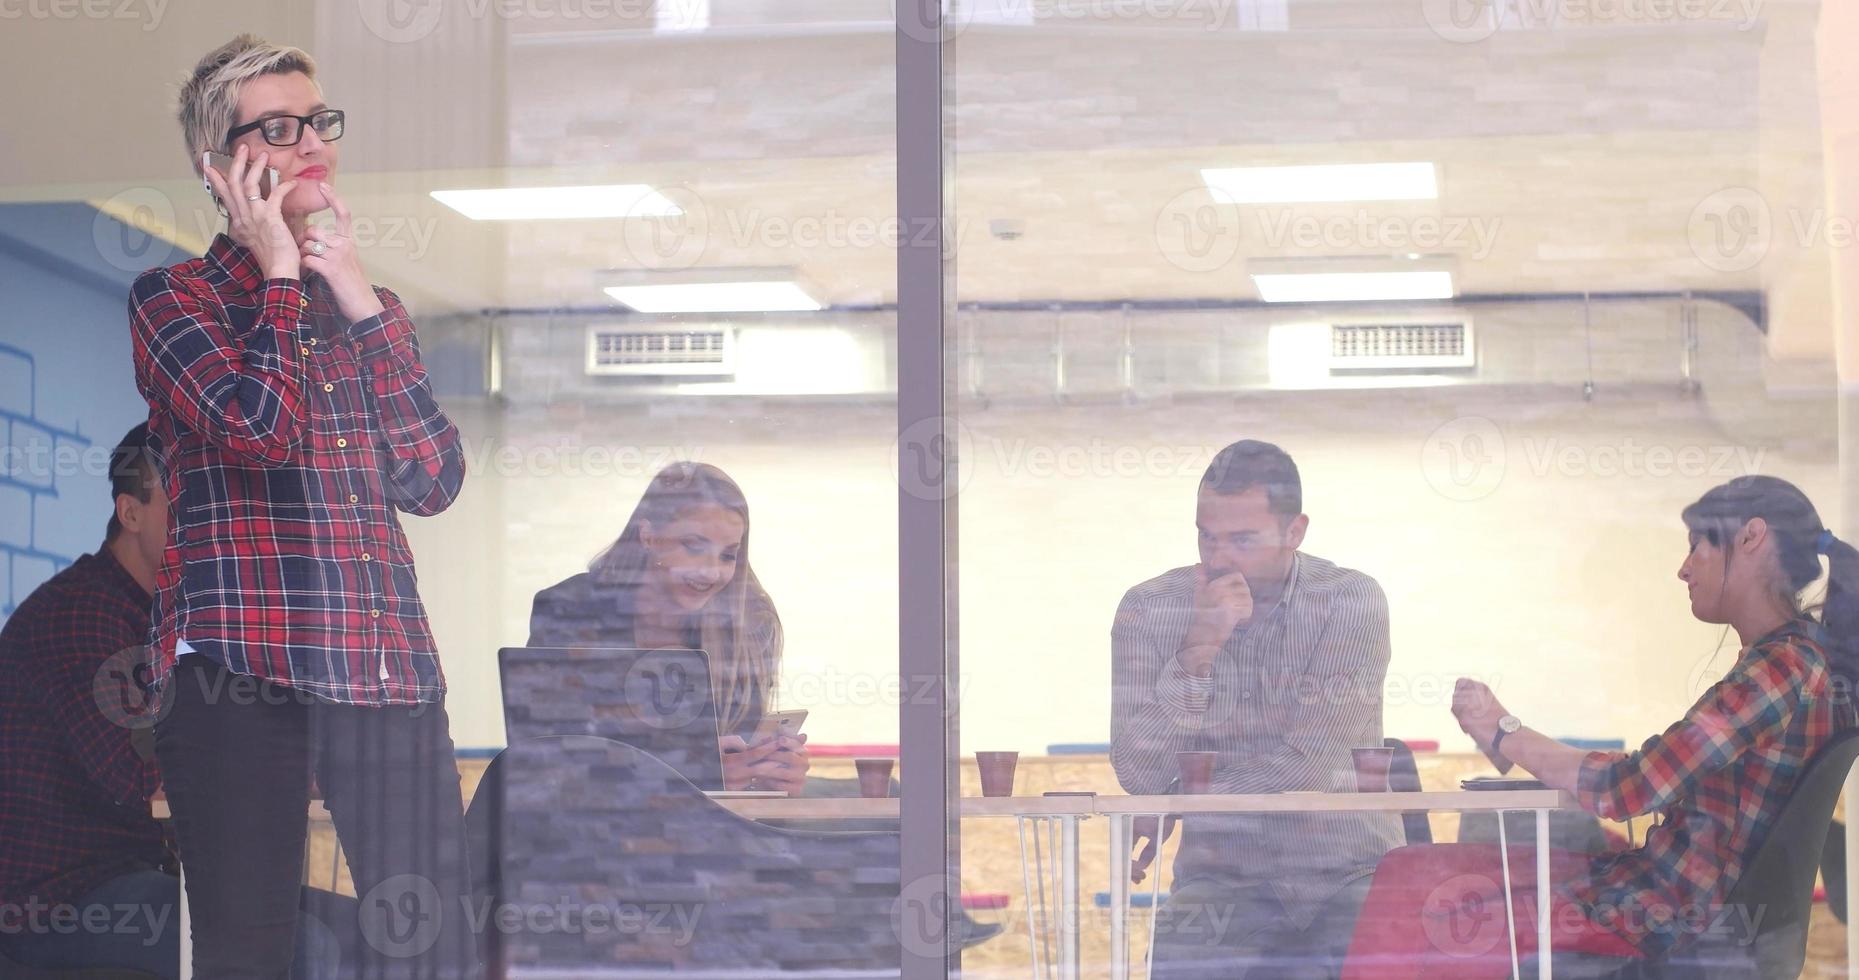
[[1800, 539], [1839, 610]]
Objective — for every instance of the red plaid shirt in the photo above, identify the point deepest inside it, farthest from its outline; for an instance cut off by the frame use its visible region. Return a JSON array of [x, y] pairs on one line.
[[1718, 778], [73, 791], [288, 439]]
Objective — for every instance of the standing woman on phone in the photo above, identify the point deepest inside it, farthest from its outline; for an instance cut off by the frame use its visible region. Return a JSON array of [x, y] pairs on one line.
[[293, 420]]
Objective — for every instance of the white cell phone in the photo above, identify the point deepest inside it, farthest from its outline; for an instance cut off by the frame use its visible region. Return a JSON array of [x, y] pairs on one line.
[[779, 723], [223, 163]]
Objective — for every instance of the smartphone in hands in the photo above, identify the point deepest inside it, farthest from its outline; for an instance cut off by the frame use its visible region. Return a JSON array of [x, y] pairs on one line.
[[777, 723], [267, 183]]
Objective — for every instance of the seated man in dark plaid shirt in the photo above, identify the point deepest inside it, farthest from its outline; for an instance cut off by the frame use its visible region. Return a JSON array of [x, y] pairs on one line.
[[86, 877]]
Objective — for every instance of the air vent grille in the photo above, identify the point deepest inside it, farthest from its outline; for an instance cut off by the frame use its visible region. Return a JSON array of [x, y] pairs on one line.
[[1381, 346], [710, 351]]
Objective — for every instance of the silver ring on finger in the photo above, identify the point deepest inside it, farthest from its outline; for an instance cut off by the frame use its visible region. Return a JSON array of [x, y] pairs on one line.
[[318, 248], [254, 197]]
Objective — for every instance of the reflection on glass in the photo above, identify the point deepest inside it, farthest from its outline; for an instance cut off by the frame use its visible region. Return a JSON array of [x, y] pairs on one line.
[[1513, 285], [1508, 333]]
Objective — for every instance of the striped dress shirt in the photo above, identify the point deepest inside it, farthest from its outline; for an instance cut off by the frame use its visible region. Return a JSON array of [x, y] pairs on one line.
[[1291, 693]]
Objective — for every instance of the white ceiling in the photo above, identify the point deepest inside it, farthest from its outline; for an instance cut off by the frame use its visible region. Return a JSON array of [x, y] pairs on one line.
[[1578, 157]]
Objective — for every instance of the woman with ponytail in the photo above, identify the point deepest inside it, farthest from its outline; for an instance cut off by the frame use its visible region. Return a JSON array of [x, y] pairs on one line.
[[1718, 777]]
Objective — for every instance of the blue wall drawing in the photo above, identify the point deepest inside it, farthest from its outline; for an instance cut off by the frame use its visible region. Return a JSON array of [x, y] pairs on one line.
[[67, 388], [29, 472]]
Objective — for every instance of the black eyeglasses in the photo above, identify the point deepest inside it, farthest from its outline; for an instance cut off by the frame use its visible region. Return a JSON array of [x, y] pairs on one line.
[[288, 130]]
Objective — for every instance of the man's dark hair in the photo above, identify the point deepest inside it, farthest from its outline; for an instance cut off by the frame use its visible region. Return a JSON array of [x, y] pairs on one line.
[[132, 472], [1250, 463]]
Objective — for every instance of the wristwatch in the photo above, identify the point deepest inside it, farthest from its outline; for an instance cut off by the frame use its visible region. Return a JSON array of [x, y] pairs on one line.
[[1506, 725]]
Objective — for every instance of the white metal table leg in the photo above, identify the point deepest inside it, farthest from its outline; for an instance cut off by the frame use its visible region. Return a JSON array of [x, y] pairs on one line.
[[1544, 952], [1510, 897], [186, 926], [1070, 915], [1031, 871], [1120, 845]]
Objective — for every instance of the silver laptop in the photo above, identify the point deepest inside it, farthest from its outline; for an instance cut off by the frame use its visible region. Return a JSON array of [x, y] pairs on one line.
[[658, 701]]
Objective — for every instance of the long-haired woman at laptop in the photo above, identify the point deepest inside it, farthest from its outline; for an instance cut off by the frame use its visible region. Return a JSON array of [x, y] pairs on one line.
[[679, 577]]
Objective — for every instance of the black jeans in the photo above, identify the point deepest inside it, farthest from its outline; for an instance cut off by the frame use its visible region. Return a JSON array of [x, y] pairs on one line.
[[141, 931], [237, 755]]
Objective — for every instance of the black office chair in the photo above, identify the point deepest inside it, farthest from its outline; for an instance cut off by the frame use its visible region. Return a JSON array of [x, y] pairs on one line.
[[1776, 891], [588, 822], [1404, 777], [1833, 870]]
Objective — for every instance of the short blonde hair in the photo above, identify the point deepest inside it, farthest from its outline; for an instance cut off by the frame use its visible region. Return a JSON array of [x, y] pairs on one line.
[[210, 97]]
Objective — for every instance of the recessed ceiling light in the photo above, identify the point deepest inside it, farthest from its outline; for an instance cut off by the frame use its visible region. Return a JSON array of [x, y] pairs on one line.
[[1326, 287], [715, 297], [546, 203], [1332, 182]]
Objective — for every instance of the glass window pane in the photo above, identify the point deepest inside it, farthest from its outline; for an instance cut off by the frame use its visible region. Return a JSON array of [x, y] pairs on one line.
[[1510, 286], [646, 257]]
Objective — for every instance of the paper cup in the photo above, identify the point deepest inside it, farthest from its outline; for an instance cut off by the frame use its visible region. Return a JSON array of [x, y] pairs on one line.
[[996, 772], [874, 777]]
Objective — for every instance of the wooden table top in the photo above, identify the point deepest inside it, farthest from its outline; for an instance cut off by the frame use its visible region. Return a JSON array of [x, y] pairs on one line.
[[808, 808]]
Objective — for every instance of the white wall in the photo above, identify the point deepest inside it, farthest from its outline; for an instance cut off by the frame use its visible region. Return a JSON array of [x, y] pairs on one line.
[[1549, 569]]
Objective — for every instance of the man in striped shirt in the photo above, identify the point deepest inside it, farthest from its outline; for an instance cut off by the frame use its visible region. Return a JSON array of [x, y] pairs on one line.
[[1274, 660]]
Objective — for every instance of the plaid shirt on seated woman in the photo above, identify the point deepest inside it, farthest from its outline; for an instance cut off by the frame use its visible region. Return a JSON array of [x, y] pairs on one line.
[[1718, 779]]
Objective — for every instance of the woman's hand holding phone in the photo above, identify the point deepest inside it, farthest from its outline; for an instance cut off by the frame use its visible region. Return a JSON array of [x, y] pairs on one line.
[[257, 224], [792, 763], [778, 763], [742, 762]]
